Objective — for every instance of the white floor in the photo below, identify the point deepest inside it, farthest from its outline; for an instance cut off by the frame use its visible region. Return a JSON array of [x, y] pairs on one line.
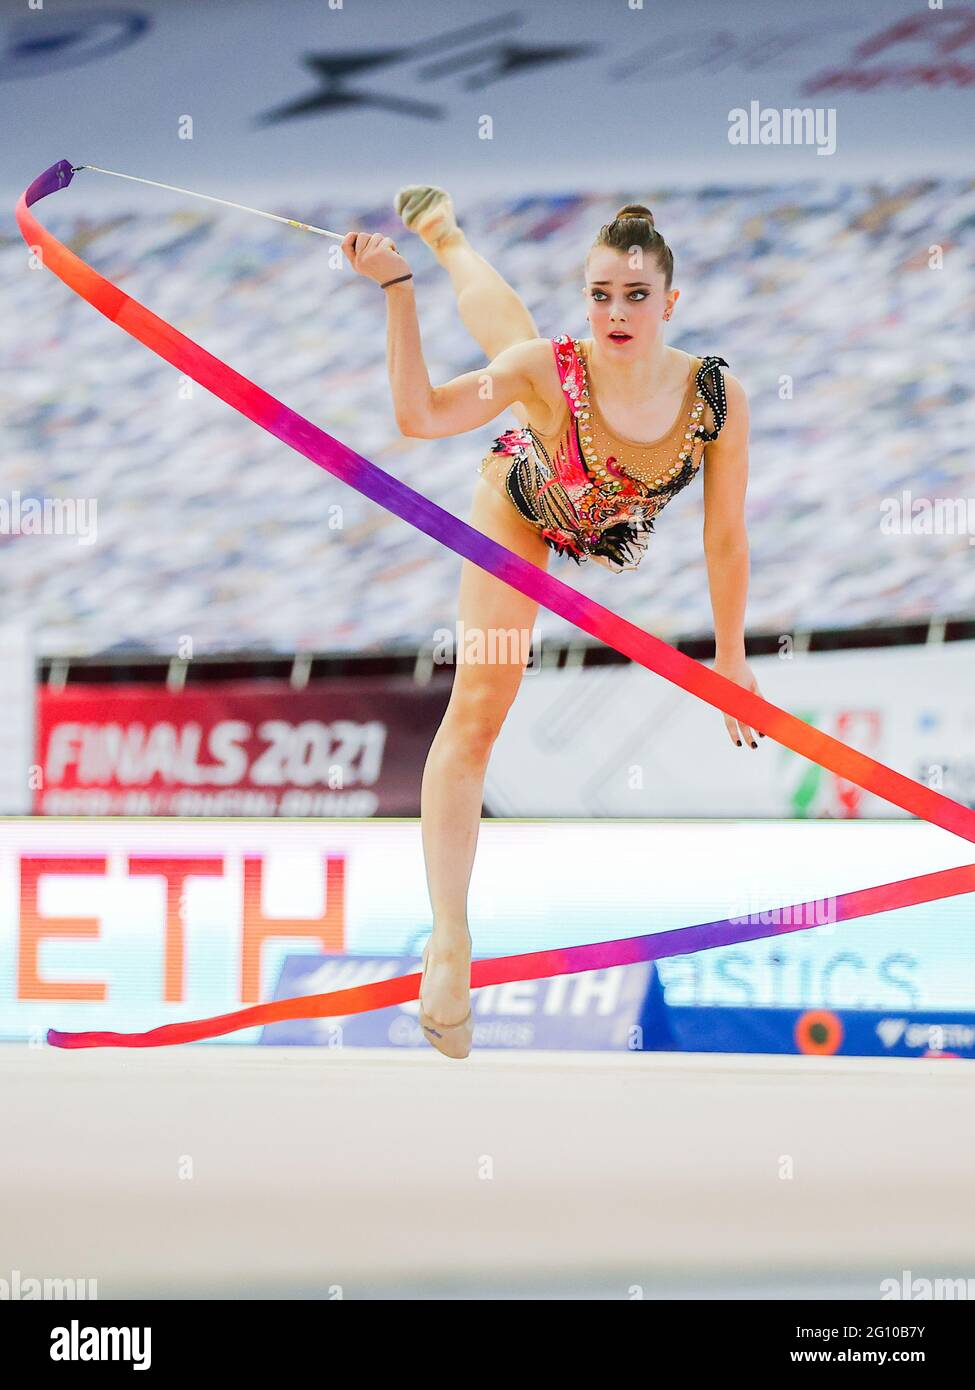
[[365, 1174]]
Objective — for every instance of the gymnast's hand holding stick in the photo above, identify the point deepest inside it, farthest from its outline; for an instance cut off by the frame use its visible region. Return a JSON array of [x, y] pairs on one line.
[[375, 256]]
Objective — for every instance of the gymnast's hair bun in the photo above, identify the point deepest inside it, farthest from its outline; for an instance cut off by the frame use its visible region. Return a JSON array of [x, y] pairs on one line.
[[634, 210], [631, 227]]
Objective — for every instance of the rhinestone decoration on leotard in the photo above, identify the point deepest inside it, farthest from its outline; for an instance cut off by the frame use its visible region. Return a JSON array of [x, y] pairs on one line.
[[711, 387], [675, 476], [654, 464], [553, 481]]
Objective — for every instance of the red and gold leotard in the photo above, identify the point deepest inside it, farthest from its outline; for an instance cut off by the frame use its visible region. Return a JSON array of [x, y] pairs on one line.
[[591, 493]]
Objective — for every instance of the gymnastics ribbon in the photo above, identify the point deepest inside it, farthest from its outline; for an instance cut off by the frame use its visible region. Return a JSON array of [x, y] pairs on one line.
[[640, 646]]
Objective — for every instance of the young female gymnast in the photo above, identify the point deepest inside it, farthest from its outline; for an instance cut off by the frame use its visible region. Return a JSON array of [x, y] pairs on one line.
[[612, 427]]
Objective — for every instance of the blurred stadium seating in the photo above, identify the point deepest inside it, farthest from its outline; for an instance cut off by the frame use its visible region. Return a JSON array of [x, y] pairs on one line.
[[209, 527]]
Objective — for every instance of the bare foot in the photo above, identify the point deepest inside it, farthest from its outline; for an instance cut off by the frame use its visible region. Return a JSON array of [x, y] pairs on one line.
[[428, 211], [446, 991]]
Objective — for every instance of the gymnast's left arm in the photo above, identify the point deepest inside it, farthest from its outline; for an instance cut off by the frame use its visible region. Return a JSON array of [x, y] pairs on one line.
[[726, 547]]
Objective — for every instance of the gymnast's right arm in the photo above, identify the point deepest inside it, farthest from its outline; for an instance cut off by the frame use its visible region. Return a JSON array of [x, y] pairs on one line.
[[464, 403]]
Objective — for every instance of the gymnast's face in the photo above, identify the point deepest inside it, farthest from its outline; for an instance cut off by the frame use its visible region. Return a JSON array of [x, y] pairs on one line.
[[626, 300]]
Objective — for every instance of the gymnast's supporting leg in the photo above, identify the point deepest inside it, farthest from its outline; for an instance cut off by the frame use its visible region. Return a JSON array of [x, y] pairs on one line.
[[453, 777], [491, 311]]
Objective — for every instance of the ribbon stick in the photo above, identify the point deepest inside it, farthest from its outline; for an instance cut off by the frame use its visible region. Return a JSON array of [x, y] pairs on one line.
[[609, 627], [208, 197]]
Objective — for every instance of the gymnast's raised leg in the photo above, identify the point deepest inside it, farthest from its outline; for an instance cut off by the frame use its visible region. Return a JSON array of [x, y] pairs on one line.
[[491, 311]]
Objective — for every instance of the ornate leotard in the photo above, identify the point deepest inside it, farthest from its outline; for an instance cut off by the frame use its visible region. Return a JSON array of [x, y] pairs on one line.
[[576, 485]]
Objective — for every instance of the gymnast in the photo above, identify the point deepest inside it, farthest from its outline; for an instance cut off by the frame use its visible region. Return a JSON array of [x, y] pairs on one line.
[[611, 428]]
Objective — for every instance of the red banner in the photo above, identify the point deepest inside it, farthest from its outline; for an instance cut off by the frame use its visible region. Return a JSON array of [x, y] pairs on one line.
[[237, 748]]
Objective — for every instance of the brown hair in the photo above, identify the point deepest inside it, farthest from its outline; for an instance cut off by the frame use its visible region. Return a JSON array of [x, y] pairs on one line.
[[633, 226]]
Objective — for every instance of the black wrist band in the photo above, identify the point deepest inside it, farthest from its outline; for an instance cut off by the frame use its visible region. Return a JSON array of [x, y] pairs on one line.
[[397, 280]]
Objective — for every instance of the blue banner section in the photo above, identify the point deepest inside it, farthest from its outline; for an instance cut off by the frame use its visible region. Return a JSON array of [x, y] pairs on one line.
[[595, 1010], [823, 1032], [623, 1009]]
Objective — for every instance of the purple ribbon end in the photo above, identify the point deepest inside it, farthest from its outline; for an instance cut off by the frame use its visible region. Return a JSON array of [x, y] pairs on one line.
[[58, 176]]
